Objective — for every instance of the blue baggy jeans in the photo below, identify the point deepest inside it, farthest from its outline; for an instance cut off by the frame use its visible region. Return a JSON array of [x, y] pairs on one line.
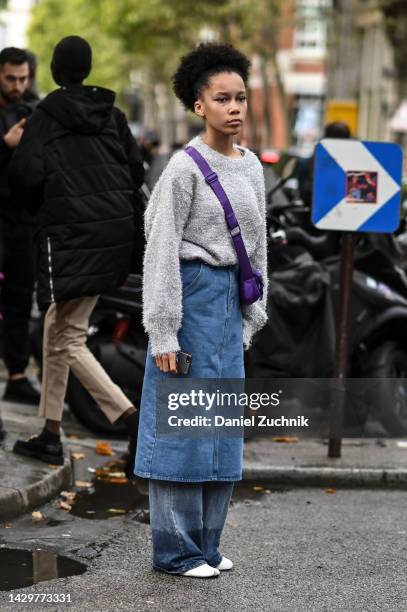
[[187, 520]]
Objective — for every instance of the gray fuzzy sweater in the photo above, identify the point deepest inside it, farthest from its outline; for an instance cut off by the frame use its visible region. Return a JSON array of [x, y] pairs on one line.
[[184, 220]]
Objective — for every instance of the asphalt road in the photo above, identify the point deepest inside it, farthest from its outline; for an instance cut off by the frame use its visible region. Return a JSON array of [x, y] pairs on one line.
[[300, 550]]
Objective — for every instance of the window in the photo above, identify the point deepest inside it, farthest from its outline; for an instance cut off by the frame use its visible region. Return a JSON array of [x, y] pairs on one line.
[[310, 34]]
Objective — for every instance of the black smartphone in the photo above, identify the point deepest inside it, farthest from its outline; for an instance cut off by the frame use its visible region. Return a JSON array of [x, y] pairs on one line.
[[184, 361]]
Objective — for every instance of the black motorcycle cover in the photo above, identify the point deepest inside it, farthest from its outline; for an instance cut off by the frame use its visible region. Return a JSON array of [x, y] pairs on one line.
[[299, 338]]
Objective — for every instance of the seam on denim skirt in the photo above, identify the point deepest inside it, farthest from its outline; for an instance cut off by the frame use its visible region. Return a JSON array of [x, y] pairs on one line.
[[150, 463], [227, 324], [222, 346]]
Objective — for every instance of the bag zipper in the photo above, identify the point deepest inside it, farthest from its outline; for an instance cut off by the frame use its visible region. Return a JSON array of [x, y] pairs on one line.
[[51, 283]]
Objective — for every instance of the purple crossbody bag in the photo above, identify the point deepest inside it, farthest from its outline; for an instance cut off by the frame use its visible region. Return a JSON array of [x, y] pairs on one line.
[[250, 279]]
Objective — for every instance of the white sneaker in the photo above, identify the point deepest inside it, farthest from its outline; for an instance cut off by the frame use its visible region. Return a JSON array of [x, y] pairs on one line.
[[225, 564], [202, 571]]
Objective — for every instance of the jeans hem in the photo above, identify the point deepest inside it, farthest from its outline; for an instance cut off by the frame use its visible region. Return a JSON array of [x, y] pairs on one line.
[[181, 570], [214, 563]]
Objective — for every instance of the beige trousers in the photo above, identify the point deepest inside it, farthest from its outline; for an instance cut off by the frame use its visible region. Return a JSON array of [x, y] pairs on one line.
[[65, 333]]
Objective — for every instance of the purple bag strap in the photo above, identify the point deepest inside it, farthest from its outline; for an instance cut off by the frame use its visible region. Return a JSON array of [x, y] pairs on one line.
[[213, 181]]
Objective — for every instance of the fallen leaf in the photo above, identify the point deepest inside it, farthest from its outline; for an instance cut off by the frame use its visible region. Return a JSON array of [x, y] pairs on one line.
[[115, 480], [117, 511], [63, 505], [287, 439], [7, 525], [78, 456], [54, 467], [103, 448], [258, 488], [103, 473], [83, 483], [37, 516], [330, 490]]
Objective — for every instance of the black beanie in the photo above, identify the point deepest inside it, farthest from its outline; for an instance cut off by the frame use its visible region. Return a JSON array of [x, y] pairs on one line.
[[71, 60]]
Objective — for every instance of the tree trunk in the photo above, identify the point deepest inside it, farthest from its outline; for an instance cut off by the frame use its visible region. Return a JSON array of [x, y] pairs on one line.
[[252, 126], [267, 133], [270, 37], [282, 97]]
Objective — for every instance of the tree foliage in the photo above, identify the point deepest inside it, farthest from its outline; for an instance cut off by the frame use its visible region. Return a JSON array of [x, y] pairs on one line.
[[150, 35], [53, 19]]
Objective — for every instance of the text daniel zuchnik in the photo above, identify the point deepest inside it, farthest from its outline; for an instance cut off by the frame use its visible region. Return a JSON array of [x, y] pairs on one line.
[[218, 420]]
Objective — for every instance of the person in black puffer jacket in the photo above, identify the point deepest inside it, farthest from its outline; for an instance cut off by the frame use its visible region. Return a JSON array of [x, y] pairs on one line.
[[81, 166]]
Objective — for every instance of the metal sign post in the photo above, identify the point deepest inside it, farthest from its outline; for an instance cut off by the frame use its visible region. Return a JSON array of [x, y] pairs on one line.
[[342, 335], [356, 189]]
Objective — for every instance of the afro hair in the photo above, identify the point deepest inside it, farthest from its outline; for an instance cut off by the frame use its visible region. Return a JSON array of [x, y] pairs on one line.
[[206, 60]]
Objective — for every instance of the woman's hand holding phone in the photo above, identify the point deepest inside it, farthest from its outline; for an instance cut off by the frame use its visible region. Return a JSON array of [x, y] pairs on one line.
[[167, 362]]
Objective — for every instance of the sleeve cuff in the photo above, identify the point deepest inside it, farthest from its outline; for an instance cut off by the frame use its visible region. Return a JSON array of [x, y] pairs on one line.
[[163, 337], [255, 318]]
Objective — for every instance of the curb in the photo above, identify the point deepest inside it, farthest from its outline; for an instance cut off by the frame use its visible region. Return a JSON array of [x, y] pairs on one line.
[[14, 502], [327, 476]]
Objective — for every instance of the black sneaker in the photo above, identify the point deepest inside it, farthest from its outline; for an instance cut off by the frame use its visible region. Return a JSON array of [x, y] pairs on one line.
[[38, 448], [22, 391]]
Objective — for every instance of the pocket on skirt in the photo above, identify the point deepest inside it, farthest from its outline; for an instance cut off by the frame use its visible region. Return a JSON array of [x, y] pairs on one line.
[[190, 274]]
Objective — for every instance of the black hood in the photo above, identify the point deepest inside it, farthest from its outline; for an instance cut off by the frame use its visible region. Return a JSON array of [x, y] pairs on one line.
[[80, 108]]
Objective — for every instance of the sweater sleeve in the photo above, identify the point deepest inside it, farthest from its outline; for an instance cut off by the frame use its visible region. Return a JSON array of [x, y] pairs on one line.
[[255, 315], [165, 219]]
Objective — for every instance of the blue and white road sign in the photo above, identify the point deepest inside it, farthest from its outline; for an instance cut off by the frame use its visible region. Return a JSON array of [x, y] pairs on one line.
[[357, 186]]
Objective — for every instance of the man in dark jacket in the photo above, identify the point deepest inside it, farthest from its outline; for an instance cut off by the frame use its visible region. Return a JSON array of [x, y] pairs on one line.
[[17, 229], [81, 165]]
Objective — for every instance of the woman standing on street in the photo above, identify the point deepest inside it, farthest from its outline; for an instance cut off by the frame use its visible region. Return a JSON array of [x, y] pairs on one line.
[[191, 303]]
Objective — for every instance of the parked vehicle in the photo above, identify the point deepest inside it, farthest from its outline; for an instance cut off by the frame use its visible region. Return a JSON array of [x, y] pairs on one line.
[[299, 339]]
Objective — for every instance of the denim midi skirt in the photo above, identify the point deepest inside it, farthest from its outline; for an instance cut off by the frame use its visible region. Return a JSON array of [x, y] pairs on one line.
[[212, 331]]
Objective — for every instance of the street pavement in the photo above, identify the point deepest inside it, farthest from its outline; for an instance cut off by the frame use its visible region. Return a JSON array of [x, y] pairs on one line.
[[315, 548], [300, 550], [24, 484]]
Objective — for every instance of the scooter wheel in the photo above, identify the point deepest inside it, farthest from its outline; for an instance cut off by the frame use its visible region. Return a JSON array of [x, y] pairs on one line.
[[388, 362]]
